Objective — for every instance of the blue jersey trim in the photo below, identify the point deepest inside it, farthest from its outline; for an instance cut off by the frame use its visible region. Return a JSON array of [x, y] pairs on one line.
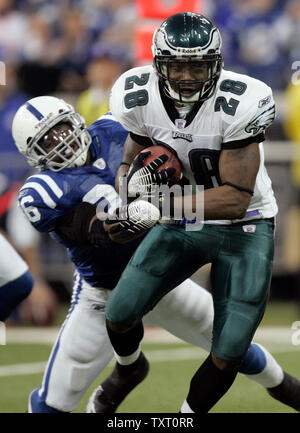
[[51, 192], [75, 297]]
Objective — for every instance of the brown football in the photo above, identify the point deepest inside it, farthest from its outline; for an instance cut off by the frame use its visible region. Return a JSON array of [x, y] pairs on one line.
[[173, 161]]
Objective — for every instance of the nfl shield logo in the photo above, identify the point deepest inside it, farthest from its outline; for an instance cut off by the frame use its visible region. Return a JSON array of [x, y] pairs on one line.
[[100, 163], [180, 123], [249, 228]]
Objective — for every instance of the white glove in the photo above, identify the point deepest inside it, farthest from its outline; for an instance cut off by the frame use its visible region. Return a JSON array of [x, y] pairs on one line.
[[132, 221]]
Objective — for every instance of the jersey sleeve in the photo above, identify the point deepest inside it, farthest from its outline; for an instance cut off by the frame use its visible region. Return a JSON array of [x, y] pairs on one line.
[[108, 123], [125, 103], [39, 198], [254, 115]]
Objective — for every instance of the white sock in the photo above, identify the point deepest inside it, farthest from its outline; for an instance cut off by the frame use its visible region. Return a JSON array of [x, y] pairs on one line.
[[127, 360], [185, 408], [271, 375]]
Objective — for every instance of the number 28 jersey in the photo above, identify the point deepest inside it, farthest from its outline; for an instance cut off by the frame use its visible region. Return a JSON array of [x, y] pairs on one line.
[[236, 115]]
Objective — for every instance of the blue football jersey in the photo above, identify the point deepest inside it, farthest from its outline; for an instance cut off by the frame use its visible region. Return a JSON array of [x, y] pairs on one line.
[[47, 195]]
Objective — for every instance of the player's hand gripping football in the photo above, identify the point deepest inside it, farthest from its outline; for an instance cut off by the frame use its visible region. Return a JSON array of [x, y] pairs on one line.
[[131, 221], [140, 178]]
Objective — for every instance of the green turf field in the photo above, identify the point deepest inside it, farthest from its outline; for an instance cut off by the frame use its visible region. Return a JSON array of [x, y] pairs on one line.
[[172, 366]]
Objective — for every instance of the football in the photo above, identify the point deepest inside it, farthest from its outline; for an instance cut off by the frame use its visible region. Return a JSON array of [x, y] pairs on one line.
[[173, 161]]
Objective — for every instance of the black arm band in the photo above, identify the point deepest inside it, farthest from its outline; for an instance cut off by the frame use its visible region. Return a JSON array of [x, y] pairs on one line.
[[125, 163], [240, 188], [237, 144], [141, 139]]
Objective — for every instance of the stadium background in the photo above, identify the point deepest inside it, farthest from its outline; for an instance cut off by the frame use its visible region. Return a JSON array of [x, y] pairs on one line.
[[75, 49]]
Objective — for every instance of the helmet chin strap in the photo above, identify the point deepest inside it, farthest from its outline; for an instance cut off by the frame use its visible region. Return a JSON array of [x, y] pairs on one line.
[[81, 160]]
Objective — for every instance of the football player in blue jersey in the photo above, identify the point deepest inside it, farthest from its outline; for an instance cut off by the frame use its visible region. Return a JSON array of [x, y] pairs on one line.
[[77, 168]]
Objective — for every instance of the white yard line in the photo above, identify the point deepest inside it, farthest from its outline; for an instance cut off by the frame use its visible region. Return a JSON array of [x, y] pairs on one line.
[[22, 369], [275, 339], [264, 335], [179, 354]]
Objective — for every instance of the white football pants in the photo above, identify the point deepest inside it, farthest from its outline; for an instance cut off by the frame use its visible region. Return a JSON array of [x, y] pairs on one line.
[[82, 349], [12, 266]]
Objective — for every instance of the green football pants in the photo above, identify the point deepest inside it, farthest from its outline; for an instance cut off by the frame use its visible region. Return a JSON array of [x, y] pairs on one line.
[[240, 275]]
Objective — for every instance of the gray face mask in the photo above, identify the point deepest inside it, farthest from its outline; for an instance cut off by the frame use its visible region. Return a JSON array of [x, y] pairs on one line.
[[64, 145]]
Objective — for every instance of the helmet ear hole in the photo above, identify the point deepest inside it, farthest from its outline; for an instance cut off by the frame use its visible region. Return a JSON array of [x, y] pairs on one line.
[[28, 140]]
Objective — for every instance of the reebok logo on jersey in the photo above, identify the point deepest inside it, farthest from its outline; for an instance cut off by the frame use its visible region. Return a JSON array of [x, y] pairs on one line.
[[22, 192], [264, 101], [98, 307], [187, 137]]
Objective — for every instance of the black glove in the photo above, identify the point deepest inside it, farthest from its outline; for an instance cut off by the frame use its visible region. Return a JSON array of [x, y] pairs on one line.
[[140, 178], [74, 226]]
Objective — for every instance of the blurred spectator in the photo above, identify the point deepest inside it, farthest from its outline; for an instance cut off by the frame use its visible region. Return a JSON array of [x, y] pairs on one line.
[[13, 27], [10, 101], [102, 71], [69, 50], [53, 38], [56, 50], [121, 31], [41, 303], [38, 40], [288, 28], [252, 43], [292, 128]]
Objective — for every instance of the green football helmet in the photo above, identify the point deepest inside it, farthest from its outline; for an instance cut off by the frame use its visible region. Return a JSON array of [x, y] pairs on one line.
[[188, 40]]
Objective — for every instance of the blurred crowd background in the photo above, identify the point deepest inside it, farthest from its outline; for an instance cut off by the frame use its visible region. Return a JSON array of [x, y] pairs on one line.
[[76, 49]]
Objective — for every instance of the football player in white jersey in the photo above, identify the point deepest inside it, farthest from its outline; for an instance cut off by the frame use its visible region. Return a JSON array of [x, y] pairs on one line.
[[16, 281], [67, 185], [215, 122]]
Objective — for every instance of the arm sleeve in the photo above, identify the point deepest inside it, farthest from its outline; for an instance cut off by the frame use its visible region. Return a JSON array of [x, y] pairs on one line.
[[141, 139]]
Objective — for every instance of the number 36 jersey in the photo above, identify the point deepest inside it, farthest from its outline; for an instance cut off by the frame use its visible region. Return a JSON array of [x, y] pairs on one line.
[[236, 115]]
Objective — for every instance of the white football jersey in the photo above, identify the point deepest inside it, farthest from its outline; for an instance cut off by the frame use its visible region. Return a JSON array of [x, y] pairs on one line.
[[240, 109]]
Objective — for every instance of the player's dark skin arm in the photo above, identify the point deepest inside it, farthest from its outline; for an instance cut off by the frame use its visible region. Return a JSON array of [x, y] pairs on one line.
[[240, 167]]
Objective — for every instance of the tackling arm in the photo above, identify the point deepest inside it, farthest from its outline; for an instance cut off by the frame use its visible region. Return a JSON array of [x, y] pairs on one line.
[[81, 226]]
